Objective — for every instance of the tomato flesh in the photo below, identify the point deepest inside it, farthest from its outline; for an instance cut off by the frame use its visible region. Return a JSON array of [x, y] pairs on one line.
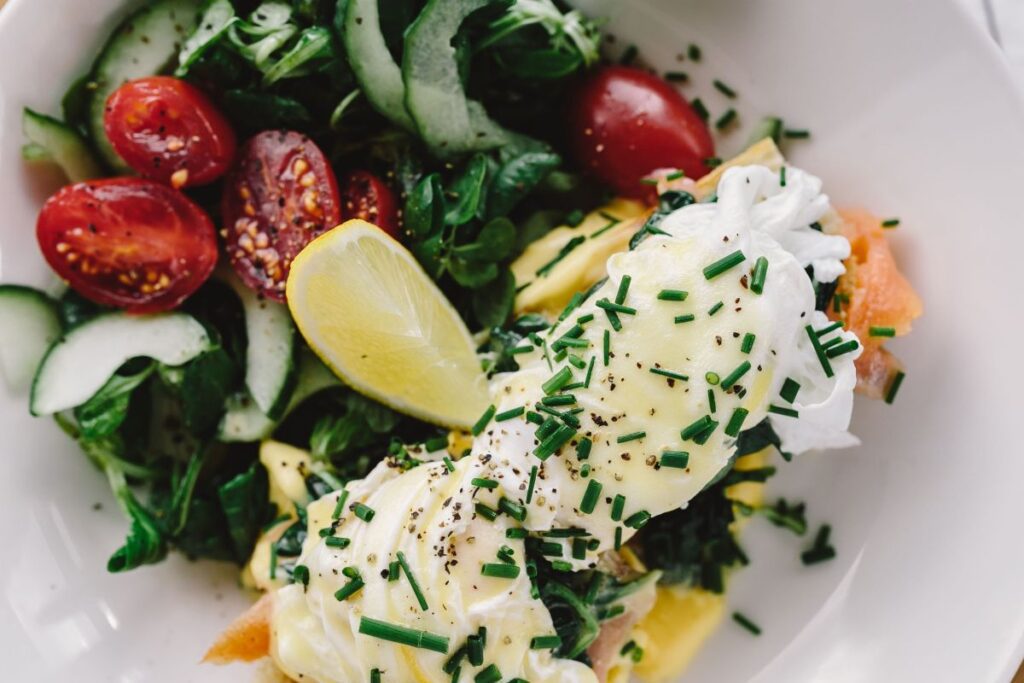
[[281, 195], [128, 242], [625, 123], [367, 197], [169, 131]]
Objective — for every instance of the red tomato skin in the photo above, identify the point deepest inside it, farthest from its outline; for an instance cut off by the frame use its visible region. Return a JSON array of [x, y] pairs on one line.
[[367, 197], [625, 123], [281, 194], [169, 131], [128, 242]]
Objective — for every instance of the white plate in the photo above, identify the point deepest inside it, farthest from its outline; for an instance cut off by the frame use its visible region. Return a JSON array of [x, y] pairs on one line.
[[913, 115]]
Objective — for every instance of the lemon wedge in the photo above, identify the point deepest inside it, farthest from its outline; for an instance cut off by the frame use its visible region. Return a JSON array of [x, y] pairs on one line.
[[371, 313]]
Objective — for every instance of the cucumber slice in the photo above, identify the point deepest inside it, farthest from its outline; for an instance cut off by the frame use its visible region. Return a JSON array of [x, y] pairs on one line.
[[379, 76], [269, 356], [243, 421], [79, 364], [448, 121], [147, 43], [62, 145], [28, 326]]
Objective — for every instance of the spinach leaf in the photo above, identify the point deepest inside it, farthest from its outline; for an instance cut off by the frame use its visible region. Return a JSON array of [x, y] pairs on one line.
[[516, 178], [244, 500], [467, 191], [102, 414], [207, 382], [758, 438]]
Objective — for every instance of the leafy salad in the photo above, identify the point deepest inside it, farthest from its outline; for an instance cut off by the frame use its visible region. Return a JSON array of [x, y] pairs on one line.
[[230, 359]]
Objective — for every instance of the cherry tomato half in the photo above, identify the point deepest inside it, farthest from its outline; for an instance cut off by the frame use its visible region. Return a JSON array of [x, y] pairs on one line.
[[365, 196], [128, 242], [169, 131], [625, 123], [280, 196]]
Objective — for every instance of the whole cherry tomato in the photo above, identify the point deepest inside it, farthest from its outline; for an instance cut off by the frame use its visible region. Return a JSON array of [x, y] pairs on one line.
[[280, 196], [128, 242], [625, 123], [365, 196], [169, 131]]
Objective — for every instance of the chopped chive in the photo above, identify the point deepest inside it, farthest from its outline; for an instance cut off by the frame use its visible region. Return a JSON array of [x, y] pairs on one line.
[[789, 390], [337, 542], [693, 52], [532, 484], [637, 520], [712, 406], [713, 162], [845, 347], [326, 531], [648, 181], [796, 133], [696, 428], [784, 411], [617, 308], [557, 381], [449, 465], [585, 470], [590, 372], [894, 386], [517, 532], [374, 675], [758, 277], [350, 572], [618, 504], [506, 555], [724, 89], [715, 309], [484, 483], [436, 444], [822, 358], [675, 175], [300, 574], [555, 441], [612, 222], [573, 304], [394, 571], [712, 378], [632, 436], [413, 583], [576, 361], [566, 532], [584, 319], [475, 647], [723, 264], [349, 589], [512, 509], [629, 55], [748, 342], [677, 76], [828, 328], [560, 400], [583, 448], [364, 512], [672, 295], [881, 331], [606, 349], [735, 375], [510, 414], [620, 294], [550, 549], [535, 418], [618, 537], [340, 505], [890, 222], [525, 348], [669, 374], [500, 571], [831, 342], [689, 317], [561, 566], [402, 635], [675, 459], [735, 423], [562, 253], [545, 642], [782, 176], [725, 119], [488, 513], [822, 550], [579, 548], [484, 420], [746, 623], [574, 218], [700, 109], [838, 300], [590, 496]]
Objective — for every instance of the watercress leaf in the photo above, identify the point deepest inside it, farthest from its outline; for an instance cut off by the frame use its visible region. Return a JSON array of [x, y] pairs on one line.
[[217, 17], [471, 274], [102, 414], [429, 253], [466, 191], [493, 304], [206, 384], [244, 500], [424, 207], [313, 48], [377, 416], [495, 242], [516, 178], [146, 542], [536, 225], [253, 111]]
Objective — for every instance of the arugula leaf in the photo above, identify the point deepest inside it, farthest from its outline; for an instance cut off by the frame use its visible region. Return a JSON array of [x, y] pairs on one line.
[[145, 544], [467, 191], [311, 51], [516, 178], [493, 304], [244, 500], [218, 16], [102, 414]]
